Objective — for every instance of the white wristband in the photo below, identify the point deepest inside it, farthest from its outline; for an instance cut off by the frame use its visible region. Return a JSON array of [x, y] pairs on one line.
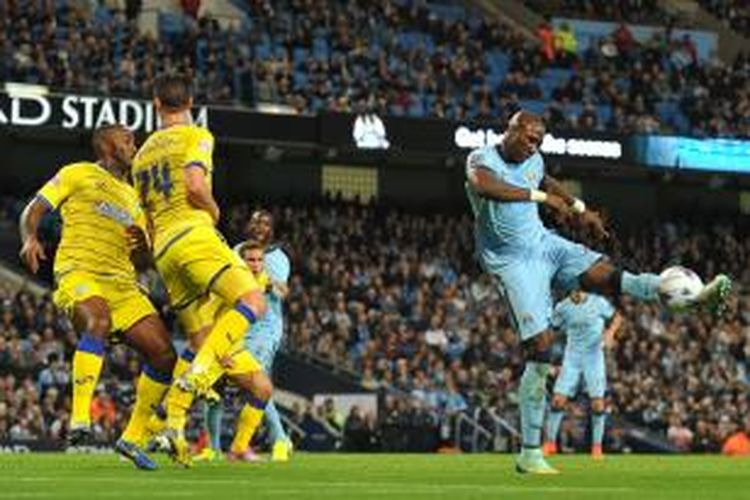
[[537, 196], [578, 206]]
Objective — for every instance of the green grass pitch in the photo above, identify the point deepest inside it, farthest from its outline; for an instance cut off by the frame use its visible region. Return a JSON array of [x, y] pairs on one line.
[[357, 477]]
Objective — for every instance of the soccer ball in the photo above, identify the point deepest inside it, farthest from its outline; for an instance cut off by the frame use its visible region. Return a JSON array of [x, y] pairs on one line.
[[679, 287]]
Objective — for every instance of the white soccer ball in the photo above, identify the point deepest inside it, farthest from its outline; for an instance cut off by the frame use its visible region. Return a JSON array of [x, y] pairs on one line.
[[679, 287]]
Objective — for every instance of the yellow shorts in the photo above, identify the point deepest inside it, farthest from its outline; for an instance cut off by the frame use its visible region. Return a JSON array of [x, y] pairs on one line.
[[197, 261], [127, 302], [201, 313]]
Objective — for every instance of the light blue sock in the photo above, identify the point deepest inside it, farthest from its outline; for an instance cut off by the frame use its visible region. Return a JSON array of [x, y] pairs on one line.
[[533, 401], [597, 428], [644, 286], [275, 428], [554, 419], [213, 413]]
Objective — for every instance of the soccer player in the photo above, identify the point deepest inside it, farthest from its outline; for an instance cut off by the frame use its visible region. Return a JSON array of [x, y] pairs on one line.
[[582, 318], [95, 280], [263, 341], [512, 244], [172, 172]]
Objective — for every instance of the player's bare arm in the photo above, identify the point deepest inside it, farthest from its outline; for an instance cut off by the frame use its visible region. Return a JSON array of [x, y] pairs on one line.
[[279, 289], [589, 218], [611, 332], [486, 184], [140, 253], [199, 193], [32, 251]]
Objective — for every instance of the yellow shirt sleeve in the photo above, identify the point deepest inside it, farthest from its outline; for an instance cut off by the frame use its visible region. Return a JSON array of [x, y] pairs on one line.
[[59, 188], [200, 150]]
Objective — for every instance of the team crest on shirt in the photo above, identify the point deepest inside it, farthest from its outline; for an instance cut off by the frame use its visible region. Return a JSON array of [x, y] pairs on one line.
[[82, 289]]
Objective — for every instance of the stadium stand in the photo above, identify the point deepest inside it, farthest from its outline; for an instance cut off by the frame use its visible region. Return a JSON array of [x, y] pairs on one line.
[[400, 58]]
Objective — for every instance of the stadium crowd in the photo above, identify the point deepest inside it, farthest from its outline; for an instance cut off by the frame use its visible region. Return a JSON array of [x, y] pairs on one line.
[[734, 13], [397, 298], [392, 57]]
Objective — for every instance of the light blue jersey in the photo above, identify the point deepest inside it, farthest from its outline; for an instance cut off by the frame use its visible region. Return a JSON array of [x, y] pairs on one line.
[[502, 226], [583, 324], [264, 337], [513, 245]]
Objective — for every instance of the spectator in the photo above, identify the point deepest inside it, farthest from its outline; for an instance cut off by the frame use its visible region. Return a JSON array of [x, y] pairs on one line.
[[738, 444], [566, 44], [680, 436], [547, 41]]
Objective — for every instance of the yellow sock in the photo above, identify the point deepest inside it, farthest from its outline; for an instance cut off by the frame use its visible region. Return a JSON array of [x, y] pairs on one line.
[[178, 404], [155, 423], [180, 367], [228, 329], [87, 366], [147, 397], [247, 423]]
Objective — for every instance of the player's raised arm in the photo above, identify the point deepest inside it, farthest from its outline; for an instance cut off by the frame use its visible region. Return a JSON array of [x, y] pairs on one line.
[[486, 184]]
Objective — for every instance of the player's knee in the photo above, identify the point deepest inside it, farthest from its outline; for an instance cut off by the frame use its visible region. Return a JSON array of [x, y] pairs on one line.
[[262, 386], [164, 358], [255, 302], [597, 405], [538, 348], [195, 339], [99, 325], [559, 402]]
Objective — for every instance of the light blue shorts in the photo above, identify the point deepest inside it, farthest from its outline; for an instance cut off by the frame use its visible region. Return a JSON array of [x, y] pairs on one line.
[[590, 366], [526, 278]]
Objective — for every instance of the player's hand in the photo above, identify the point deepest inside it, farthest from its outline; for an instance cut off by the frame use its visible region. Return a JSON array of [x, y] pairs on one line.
[[137, 239], [559, 205], [593, 221], [32, 253], [227, 362]]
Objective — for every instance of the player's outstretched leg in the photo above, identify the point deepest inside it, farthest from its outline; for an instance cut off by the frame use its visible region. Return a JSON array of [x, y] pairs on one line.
[[92, 321], [554, 420], [532, 399], [604, 278], [148, 336]]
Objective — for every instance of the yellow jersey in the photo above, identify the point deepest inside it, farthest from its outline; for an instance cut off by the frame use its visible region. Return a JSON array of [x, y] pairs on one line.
[[158, 173], [96, 208]]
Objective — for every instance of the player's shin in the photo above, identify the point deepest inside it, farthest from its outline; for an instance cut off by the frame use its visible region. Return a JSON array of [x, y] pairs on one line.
[[247, 423], [554, 420], [273, 420], [644, 286], [598, 419], [152, 386], [213, 413], [532, 402], [87, 366]]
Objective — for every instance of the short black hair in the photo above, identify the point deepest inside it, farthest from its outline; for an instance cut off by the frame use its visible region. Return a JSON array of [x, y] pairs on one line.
[[174, 90], [101, 136]]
